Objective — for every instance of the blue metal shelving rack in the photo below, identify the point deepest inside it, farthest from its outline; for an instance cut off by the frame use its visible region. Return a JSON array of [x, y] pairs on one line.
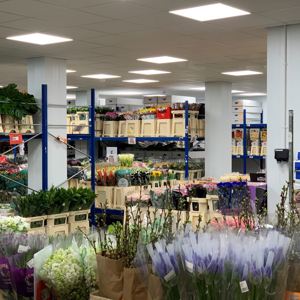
[[245, 155], [92, 139]]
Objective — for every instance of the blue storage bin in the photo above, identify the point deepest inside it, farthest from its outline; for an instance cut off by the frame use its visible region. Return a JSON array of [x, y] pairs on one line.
[[297, 165], [297, 174], [298, 155]]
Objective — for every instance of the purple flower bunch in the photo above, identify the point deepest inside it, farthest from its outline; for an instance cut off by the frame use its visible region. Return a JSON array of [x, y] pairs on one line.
[[111, 116], [223, 265]]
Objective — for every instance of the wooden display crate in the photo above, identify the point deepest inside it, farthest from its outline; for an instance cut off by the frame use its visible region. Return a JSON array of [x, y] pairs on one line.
[[194, 219], [105, 196], [96, 296], [36, 224], [193, 174], [57, 224], [110, 128], [73, 183], [133, 128], [79, 219], [148, 127], [69, 124], [98, 125], [163, 127], [9, 124], [122, 129], [178, 127], [85, 184], [81, 122], [199, 205], [26, 124], [212, 201], [120, 194]]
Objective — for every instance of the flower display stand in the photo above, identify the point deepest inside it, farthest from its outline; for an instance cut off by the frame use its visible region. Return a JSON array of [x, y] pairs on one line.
[[110, 128], [98, 125], [194, 219], [82, 123], [96, 296], [105, 196], [177, 127], [120, 194], [133, 127], [57, 224], [193, 174], [26, 124], [71, 123], [79, 219], [164, 127], [122, 129], [148, 127], [36, 224], [9, 124]]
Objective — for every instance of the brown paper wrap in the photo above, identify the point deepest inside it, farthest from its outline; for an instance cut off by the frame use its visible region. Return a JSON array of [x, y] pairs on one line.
[[133, 288], [155, 288], [110, 277]]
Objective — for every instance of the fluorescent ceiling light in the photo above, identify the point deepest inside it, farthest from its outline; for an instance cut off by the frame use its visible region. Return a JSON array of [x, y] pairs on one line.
[[253, 94], [210, 12], [121, 93], [71, 87], [149, 72], [201, 88], [71, 96], [1, 86], [242, 73], [155, 95], [100, 76], [236, 91], [162, 59], [140, 80], [39, 38], [71, 71]]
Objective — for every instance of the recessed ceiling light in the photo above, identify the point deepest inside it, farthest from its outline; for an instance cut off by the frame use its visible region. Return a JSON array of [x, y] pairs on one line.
[[162, 59], [242, 73], [100, 76], [200, 88], [1, 86], [155, 95], [71, 71], [71, 96], [253, 94], [236, 91], [39, 38], [210, 12], [149, 72], [140, 80], [71, 87]]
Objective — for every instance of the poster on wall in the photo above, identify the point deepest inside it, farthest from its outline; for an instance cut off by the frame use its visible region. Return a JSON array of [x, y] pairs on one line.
[[112, 154]]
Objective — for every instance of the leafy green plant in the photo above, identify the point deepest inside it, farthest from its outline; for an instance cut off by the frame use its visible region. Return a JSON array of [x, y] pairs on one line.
[[15, 103], [54, 201]]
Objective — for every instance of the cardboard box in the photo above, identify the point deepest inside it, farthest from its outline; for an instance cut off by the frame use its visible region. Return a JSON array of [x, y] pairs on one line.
[[252, 110], [245, 102]]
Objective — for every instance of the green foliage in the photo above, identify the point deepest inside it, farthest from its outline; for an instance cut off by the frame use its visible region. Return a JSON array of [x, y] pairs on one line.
[[15, 103], [54, 201]]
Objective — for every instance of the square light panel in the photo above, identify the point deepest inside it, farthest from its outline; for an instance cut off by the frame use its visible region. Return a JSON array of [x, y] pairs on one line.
[[242, 73], [149, 72], [39, 39], [101, 76], [71, 87], [156, 95], [140, 81], [200, 88], [71, 71], [210, 12], [162, 59]]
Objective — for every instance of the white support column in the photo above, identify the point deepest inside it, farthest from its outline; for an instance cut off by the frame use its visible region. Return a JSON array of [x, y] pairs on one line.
[[50, 71], [218, 123], [283, 95]]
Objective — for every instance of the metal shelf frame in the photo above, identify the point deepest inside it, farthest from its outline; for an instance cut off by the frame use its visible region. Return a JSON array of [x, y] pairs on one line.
[[92, 140], [245, 155]]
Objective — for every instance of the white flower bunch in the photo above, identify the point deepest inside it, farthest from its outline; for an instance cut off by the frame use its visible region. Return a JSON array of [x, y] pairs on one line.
[[69, 275], [13, 224]]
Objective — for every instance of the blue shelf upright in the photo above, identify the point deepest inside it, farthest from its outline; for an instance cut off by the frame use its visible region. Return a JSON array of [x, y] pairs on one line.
[[44, 137], [245, 155]]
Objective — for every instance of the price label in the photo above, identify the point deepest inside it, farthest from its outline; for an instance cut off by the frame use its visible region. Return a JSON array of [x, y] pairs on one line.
[[244, 287], [132, 141]]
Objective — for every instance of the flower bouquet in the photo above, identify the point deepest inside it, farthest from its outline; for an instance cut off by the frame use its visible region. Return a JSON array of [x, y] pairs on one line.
[[111, 116], [13, 224], [126, 160]]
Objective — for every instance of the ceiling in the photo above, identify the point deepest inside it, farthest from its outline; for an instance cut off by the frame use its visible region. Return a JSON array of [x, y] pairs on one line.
[[109, 35]]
